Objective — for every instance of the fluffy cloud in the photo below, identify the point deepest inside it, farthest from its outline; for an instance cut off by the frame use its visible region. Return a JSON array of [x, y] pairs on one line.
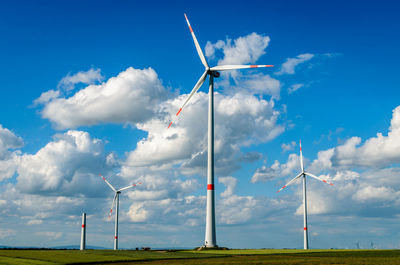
[[8, 158], [243, 50], [289, 66], [288, 146], [241, 119], [379, 151], [132, 96], [64, 166], [8, 140], [152, 206], [258, 84], [365, 176], [163, 197], [37, 209], [187, 211], [85, 77], [252, 209], [46, 97], [277, 170], [230, 184], [354, 194], [375, 194], [8, 165]]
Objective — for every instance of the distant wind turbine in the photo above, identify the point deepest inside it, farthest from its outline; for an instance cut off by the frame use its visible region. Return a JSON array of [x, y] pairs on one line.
[[210, 238], [303, 175], [116, 203]]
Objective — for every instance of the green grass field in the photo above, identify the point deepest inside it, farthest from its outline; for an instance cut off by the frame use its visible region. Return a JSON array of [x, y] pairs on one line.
[[250, 256]]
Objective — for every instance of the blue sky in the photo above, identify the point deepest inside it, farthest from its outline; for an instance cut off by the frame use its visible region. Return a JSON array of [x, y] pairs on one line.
[[88, 86]]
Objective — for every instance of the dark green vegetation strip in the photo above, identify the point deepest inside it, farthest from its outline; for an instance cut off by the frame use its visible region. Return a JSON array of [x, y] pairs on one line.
[[256, 256], [96, 256]]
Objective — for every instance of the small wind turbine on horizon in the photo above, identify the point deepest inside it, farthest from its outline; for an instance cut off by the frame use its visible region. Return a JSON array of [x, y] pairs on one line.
[[116, 203], [210, 235], [303, 175]]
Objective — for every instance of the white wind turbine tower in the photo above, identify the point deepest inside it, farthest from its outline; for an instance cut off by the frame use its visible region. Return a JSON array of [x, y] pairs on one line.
[[210, 237], [116, 203], [303, 175]]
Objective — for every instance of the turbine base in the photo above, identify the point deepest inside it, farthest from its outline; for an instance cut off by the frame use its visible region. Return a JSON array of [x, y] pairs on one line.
[[203, 247]]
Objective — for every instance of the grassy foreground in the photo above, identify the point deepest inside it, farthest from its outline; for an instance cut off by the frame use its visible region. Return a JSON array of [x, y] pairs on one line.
[[250, 256]]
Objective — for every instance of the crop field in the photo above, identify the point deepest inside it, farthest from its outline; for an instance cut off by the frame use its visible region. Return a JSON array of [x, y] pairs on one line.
[[250, 256]]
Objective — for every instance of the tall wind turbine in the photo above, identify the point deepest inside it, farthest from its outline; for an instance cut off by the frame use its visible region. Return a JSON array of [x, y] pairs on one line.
[[210, 238], [303, 175], [116, 203]]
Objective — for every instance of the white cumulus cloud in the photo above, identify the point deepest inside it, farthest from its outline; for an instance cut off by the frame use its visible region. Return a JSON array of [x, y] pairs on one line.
[[64, 166], [241, 120], [8, 157], [131, 97], [289, 66], [243, 50], [379, 151], [277, 170], [289, 146], [85, 77]]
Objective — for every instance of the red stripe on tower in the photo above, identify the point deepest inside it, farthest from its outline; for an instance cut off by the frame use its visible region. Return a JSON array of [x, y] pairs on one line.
[[253, 66], [170, 124], [305, 228], [179, 111], [191, 30], [115, 237], [210, 186]]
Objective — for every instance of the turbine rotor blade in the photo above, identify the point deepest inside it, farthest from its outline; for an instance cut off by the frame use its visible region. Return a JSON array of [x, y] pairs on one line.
[[320, 179], [236, 67], [130, 186], [196, 43], [194, 90], [112, 205], [108, 183], [290, 182], [301, 158]]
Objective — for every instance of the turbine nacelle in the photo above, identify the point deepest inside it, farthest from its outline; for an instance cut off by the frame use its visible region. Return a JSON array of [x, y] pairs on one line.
[[214, 73]]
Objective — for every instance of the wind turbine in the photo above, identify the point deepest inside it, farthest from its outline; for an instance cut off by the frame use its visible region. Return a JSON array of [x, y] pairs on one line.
[[116, 203], [303, 175], [210, 238]]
